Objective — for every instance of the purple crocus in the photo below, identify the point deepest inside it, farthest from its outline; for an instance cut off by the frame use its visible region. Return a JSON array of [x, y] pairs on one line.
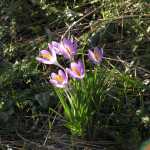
[[68, 48], [59, 80], [96, 55], [56, 47], [47, 56], [76, 70]]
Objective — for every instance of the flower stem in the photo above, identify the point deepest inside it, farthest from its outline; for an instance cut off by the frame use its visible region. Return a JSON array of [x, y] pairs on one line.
[[57, 64]]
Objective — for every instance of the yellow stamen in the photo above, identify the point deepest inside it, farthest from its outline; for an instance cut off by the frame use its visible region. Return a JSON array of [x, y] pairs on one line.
[[76, 71], [46, 56], [68, 50], [96, 54], [59, 78]]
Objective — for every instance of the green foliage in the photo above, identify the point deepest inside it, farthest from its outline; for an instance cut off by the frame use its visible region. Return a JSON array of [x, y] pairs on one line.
[[100, 100]]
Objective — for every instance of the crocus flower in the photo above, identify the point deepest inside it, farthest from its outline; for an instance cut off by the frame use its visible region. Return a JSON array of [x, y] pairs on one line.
[[96, 55], [56, 47], [59, 80], [76, 70], [47, 56], [68, 48]]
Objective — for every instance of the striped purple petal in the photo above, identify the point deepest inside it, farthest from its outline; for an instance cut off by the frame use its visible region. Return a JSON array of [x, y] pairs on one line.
[[95, 55], [68, 48], [56, 47], [59, 80], [76, 70], [47, 56]]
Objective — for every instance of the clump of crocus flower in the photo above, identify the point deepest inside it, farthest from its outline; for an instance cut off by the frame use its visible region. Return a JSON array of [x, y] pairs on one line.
[[56, 47], [67, 48], [76, 108], [76, 70], [47, 56], [59, 80], [96, 55]]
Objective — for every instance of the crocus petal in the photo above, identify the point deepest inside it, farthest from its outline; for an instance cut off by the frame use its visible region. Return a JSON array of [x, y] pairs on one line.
[[64, 75], [44, 52], [68, 48], [72, 47], [53, 75], [54, 83], [95, 55], [65, 53], [59, 80], [98, 54], [56, 47], [91, 55], [44, 61], [47, 56], [72, 73], [81, 66], [74, 65], [51, 50], [50, 46], [76, 70], [101, 51]]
